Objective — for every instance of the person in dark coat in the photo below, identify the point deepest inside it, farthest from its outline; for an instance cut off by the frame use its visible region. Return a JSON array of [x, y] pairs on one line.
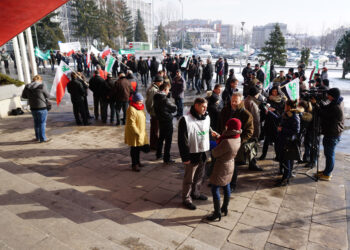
[[260, 75], [246, 71], [225, 70], [220, 70], [123, 67], [164, 110], [77, 93], [143, 70], [226, 95], [208, 74], [273, 73], [37, 94], [132, 64], [332, 126], [231, 75], [173, 67], [122, 91], [96, 84], [288, 129], [177, 91], [154, 67], [108, 99], [214, 107], [115, 66], [191, 72]]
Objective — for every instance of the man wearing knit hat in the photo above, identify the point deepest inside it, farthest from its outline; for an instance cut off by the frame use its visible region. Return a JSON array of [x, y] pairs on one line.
[[332, 125]]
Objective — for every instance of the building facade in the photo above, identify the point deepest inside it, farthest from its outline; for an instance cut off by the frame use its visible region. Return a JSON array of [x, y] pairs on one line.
[[203, 36], [262, 33], [226, 36]]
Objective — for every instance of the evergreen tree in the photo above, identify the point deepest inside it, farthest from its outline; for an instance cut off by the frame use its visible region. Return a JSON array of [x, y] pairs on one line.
[[49, 33], [86, 19], [305, 55], [124, 20], [274, 49], [161, 37], [107, 31], [342, 50], [140, 32], [188, 42]]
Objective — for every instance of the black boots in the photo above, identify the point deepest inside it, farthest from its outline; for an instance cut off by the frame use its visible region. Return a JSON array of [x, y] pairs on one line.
[[253, 166], [216, 214], [225, 205]]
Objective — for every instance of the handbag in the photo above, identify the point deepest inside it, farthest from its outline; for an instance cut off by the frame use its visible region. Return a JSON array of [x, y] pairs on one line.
[[48, 105]]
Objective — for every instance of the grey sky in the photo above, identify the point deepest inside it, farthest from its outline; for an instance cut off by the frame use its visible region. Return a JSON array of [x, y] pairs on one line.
[[301, 16]]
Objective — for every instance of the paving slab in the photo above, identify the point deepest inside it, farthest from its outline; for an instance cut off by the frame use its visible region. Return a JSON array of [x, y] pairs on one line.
[[288, 237], [329, 237], [210, 234], [258, 218]]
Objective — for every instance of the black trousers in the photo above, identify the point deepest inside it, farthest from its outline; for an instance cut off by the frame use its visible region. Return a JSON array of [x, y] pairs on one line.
[[79, 111], [121, 106], [97, 106], [135, 153], [165, 134]]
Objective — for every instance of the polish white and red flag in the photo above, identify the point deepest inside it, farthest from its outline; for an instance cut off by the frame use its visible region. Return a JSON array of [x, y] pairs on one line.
[[107, 51], [60, 82]]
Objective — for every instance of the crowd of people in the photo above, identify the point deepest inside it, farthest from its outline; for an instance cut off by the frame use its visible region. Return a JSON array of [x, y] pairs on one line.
[[226, 125]]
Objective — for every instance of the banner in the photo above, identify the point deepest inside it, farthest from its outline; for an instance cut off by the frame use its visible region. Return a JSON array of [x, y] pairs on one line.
[[67, 47], [293, 89], [266, 83], [42, 55], [126, 51], [94, 50]]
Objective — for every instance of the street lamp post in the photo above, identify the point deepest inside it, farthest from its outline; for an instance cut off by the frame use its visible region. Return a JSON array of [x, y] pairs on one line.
[[182, 32], [242, 48]]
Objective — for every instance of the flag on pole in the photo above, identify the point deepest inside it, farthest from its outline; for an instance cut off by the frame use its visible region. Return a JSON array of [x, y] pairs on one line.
[[315, 70], [184, 65], [106, 52], [109, 63], [293, 89], [88, 58], [42, 55], [71, 52], [266, 83], [60, 82]]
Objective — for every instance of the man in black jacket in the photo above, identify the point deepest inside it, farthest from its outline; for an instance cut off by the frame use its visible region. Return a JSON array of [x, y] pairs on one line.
[[208, 74], [143, 70], [164, 110], [193, 142], [260, 75], [332, 125], [96, 84], [77, 92], [108, 98], [154, 67]]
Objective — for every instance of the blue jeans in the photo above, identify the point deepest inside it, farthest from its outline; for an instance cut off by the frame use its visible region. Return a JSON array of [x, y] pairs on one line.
[[198, 84], [288, 168], [40, 123], [215, 190], [329, 144], [180, 106], [190, 80]]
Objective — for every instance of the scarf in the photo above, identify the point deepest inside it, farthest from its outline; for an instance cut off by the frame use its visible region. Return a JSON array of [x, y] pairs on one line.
[[137, 106], [229, 135]]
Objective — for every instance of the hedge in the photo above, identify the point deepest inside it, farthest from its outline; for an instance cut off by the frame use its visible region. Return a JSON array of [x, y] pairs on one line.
[[6, 80]]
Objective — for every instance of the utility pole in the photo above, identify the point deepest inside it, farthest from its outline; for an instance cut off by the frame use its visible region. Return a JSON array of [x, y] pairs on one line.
[[182, 32]]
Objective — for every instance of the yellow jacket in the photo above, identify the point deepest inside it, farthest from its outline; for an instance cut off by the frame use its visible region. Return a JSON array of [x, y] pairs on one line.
[[135, 127]]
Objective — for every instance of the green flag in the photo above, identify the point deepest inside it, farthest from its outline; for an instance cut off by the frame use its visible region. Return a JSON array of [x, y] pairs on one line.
[[317, 61], [293, 89], [266, 83], [42, 55], [109, 63], [126, 51]]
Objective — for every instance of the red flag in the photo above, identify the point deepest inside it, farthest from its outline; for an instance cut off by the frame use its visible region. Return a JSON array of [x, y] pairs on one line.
[[103, 74], [60, 82], [106, 52], [70, 53], [312, 73]]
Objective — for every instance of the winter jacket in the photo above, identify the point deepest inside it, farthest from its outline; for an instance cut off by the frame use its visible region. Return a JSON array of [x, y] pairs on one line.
[[227, 94], [245, 72], [135, 127], [252, 107], [143, 67], [76, 90], [332, 118], [122, 90], [178, 87], [208, 71], [225, 68], [191, 71], [96, 84], [36, 94], [163, 108], [151, 91], [109, 88], [214, 108], [183, 140], [132, 66], [271, 123], [154, 68], [260, 75], [173, 67], [224, 155]]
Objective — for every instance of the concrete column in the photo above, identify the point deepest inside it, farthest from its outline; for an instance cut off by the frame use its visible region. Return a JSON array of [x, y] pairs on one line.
[[31, 52], [25, 58], [18, 59]]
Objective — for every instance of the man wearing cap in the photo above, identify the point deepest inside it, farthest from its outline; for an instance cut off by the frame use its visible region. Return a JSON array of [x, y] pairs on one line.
[[177, 91], [260, 75], [332, 125], [151, 91], [281, 78], [324, 74]]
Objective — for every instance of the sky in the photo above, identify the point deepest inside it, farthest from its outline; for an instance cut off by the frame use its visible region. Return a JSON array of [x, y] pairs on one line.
[[301, 16]]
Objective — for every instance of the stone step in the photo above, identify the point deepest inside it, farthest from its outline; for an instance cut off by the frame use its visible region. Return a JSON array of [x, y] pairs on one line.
[[17, 233], [113, 223]]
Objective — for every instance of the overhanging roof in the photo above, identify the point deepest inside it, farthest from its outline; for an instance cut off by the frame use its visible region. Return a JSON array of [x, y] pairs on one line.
[[18, 15]]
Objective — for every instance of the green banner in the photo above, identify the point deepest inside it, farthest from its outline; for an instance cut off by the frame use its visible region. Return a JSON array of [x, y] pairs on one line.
[[317, 62], [126, 51], [266, 83], [42, 55]]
